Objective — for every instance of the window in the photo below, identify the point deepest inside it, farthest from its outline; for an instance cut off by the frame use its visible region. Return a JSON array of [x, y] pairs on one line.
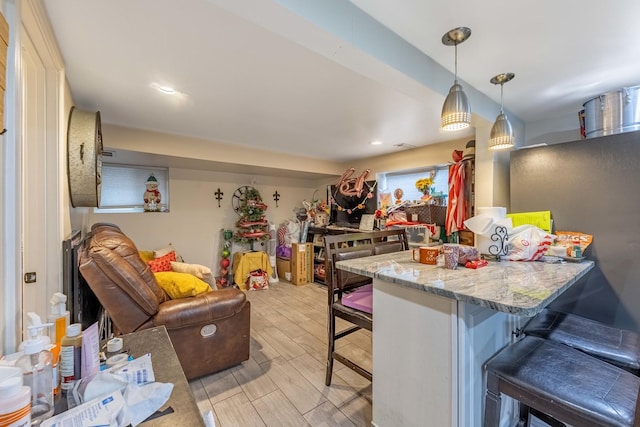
[[123, 188], [406, 180]]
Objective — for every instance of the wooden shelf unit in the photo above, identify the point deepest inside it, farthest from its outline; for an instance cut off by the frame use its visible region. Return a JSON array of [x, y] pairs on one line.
[[316, 235]]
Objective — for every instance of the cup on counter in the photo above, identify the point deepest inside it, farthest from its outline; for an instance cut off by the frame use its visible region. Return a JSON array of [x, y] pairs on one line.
[[450, 253], [426, 255]]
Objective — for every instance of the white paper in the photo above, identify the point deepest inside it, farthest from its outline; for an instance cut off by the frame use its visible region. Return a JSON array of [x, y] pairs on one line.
[[139, 371], [105, 411], [90, 351], [143, 401]]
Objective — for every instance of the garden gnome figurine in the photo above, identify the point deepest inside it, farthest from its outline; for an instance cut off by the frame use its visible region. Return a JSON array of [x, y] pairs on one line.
[[152, 196]]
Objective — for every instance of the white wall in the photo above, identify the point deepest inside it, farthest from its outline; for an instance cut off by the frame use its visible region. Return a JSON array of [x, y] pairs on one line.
[[194, 222]]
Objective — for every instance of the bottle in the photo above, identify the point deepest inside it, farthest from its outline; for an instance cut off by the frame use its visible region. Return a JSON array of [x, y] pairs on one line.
[[37, 372], [70, 356], [60, 317], [15, 403], [34, 320]]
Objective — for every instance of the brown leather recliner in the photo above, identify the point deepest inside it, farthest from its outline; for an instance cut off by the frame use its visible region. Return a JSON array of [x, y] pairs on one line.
[[209, 332]]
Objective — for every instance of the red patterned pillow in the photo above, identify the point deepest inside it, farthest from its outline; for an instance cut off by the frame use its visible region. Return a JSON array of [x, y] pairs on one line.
[[163, 263]]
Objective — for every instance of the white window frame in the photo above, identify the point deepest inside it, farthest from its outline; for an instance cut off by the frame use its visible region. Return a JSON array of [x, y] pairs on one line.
[[134, 186]]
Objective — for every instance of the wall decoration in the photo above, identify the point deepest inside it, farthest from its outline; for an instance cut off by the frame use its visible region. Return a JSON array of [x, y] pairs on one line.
[[219, 195], [352, 186], [152, 196], [252, 225], [276, 197], [84, 158], [358, 206]]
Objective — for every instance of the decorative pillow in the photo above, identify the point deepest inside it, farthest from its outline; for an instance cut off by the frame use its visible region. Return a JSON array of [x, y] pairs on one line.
[[180, 285], [163, 263], [146, 256], [200, 271], [169, 248]]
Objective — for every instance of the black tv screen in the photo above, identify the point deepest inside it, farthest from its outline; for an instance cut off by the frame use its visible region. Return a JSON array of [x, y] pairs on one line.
[[344, 209]]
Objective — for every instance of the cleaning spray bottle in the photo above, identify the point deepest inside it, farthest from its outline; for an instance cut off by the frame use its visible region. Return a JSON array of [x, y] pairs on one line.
[[60, 317], [37, 371]]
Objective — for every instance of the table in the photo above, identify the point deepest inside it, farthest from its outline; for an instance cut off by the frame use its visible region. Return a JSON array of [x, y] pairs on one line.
[[181, 407], [442, 326], [167, 369]]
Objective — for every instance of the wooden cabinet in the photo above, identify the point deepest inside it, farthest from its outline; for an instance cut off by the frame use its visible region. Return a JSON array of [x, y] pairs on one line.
[[316, 235]]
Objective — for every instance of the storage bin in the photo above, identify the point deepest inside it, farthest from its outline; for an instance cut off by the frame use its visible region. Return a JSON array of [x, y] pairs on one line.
[[428, 214]]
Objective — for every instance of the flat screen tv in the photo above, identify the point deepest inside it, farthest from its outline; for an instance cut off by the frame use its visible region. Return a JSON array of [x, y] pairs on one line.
[[347, 211]]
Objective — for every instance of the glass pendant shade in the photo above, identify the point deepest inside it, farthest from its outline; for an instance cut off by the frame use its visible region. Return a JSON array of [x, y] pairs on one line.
[[501, 135], [456, 112]]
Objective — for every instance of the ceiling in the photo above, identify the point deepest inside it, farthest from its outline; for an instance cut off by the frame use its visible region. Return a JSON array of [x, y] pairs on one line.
[[324, 79]]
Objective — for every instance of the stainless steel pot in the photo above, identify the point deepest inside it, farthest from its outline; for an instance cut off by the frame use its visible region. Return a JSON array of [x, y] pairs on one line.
[[613, 112]]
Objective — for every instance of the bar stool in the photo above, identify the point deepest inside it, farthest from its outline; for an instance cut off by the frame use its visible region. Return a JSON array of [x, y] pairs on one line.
[[562, 382], [616, 346]]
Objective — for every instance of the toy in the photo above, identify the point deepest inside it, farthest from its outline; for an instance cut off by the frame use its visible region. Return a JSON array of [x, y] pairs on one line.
[[152, 196]]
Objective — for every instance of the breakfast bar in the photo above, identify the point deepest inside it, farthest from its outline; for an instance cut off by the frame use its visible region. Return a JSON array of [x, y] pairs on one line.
[[434, 329]]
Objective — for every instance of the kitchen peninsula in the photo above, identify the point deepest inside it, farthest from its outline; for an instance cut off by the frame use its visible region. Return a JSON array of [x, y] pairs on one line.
[[434, 329]]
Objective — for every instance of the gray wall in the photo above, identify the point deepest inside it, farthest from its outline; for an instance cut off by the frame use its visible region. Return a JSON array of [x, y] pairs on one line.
[[590, 186]]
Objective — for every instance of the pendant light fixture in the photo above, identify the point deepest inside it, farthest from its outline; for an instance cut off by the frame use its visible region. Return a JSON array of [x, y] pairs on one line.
[[501, 135], [456, 112]]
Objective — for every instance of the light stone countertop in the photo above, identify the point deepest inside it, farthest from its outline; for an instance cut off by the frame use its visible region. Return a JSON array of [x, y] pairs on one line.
[[521, 288]]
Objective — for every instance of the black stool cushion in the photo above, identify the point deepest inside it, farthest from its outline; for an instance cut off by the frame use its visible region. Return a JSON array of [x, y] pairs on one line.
[[570, 379], [617, 346]]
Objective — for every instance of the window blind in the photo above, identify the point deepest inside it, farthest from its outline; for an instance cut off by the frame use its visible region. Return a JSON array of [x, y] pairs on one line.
[[123, 186]]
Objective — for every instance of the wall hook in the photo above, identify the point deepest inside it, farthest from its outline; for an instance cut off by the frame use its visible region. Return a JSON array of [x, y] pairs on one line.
[[219, 195], [276, 197]]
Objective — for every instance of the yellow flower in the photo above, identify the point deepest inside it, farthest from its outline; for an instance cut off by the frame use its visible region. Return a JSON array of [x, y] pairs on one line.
[[424, 184]]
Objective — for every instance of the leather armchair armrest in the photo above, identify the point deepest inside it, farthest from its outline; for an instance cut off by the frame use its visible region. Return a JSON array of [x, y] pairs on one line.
[[201, 309]]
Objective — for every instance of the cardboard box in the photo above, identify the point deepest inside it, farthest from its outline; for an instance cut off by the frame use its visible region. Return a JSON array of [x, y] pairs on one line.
[[310, 255], [283, 266], [301, 253]]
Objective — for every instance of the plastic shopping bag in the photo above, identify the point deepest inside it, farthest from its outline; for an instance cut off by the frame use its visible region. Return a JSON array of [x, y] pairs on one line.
[[528, 243]]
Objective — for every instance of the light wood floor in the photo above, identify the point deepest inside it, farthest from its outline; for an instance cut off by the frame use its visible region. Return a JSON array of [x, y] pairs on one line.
[[282, 383]]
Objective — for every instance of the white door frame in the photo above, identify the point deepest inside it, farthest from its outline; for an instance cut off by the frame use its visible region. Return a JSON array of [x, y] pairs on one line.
[[29, 17]]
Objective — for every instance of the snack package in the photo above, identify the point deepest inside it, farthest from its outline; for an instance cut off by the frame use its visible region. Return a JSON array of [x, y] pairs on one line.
[[571, 239], [467, 254], [528, 243]]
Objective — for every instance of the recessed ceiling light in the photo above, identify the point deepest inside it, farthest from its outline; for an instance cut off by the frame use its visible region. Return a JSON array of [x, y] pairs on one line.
[[376, 142], [167, 89]]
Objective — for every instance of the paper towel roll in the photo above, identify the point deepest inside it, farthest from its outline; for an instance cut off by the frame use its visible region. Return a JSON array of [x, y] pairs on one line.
[[494, 212]]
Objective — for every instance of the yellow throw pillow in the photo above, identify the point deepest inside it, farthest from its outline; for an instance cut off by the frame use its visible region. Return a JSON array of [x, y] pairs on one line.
[[146, 256], [200, 271], [181, 285]]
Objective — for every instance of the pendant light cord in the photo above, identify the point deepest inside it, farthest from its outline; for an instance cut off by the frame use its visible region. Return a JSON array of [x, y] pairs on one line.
[[501, 97]]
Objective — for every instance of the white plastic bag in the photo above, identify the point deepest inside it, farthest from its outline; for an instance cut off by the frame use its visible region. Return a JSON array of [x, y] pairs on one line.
[[528, 243]]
